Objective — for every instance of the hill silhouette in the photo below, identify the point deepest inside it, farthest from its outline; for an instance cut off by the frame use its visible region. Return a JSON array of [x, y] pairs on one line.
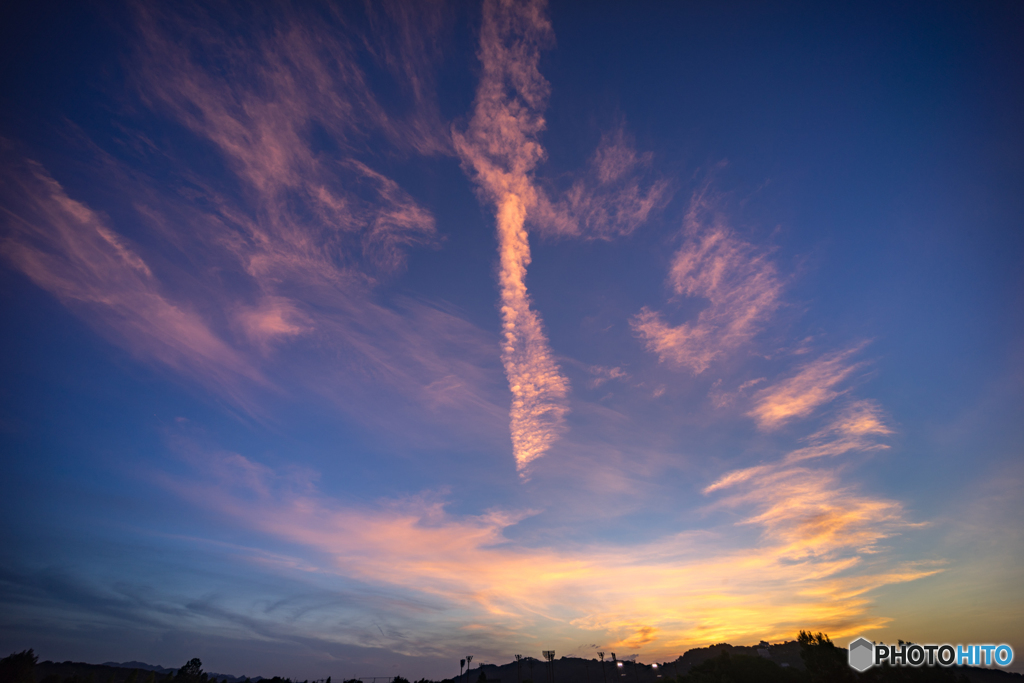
[[809, 659]]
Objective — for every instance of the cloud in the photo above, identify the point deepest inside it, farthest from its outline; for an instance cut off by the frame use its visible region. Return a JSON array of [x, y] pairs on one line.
[[739, 283], [260, 226], [408, 39], [278, 328], [820, 549], [856, 428], [812, 386], [273, 319], [69, 250], [723, 399], [612, 199], [809, 513], [602, 375], [501, 150], [288, 110]]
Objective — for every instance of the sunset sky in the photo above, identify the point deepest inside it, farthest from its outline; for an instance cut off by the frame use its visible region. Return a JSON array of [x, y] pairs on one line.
[[350, 339]]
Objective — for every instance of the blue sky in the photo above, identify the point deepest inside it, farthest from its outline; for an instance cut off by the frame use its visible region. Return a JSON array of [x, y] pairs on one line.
[[352, 339]]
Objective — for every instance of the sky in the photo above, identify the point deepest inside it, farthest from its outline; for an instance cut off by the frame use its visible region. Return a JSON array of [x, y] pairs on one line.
[[348, 339]]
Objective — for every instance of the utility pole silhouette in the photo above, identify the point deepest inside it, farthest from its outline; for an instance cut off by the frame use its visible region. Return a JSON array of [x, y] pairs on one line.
[[469, 662], [604, 674], [550, 656], [519, 667]]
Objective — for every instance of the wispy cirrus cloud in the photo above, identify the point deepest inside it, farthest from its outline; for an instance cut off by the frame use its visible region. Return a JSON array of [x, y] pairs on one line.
[[814, 384], [614, 196], [739, 282], [288, 109], [602, 375], [857, 427], [810, 511], [501, 148], [257, 263], [819, 551], [324, 338], [71, 251]]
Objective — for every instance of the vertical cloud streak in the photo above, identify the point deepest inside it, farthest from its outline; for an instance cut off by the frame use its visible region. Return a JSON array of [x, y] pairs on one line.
[[501, 148]]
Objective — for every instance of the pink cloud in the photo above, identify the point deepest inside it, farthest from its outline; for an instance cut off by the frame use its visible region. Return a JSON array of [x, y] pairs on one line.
[[260, 103], [265, 274], [856, 428], [602, 375], [612, 199], [813, 385], [272, 320], [501, 150], [740, 285], [67, 249]]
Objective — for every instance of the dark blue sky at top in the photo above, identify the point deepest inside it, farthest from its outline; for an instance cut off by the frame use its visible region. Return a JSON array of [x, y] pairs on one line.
[[875, 151]]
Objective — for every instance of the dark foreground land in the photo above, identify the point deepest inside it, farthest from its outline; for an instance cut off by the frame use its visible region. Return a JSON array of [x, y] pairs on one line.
[[809, 659]]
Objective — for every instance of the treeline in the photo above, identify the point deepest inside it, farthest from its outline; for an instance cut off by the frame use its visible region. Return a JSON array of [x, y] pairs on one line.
[[24, 667], [818, 660], [823, 662]]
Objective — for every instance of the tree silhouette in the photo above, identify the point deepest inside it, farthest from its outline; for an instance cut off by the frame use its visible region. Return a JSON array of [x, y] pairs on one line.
[[192, 672], [824, 661], [17, 667]]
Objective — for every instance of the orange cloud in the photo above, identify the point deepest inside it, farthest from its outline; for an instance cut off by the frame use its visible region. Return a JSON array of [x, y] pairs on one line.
[[818, 553], [854, 429], [501, 148], [812, 386], [738, 281]]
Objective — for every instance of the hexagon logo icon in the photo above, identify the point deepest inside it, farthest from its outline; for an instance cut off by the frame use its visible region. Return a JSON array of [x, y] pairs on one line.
[[862, 654]]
